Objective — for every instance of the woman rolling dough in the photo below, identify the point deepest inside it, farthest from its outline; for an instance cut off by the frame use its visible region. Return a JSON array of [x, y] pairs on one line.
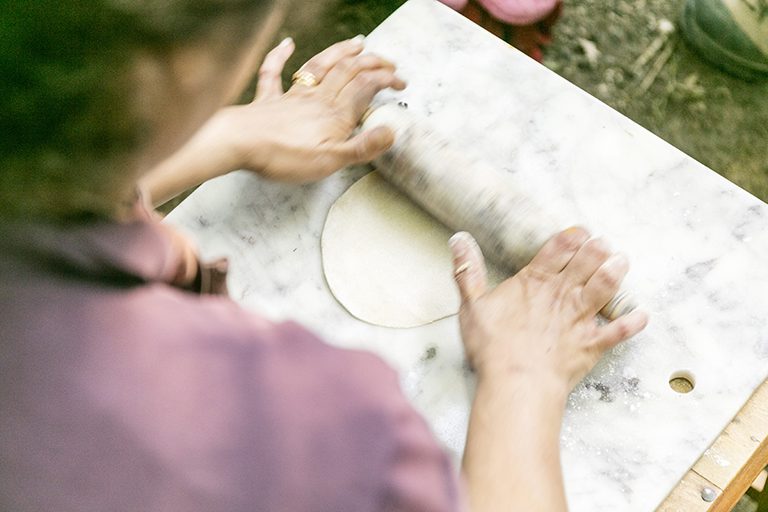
[[129, 383]]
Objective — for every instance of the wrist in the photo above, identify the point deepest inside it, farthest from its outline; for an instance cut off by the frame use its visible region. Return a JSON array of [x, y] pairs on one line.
[[534, 384], [219, 140], [242, 138], [206, 155]]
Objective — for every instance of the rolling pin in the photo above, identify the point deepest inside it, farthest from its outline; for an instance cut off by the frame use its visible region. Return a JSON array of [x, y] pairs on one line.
[[468, 194]]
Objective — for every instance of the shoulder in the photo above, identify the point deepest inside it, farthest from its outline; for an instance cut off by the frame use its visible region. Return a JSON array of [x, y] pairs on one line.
[[334, 421]]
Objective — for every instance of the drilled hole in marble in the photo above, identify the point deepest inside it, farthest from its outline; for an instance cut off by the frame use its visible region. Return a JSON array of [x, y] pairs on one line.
[[682, 381]]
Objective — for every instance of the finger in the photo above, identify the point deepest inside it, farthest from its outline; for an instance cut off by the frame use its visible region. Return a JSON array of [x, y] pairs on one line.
[[558, 251], [468, 267], [270, 83], [320, 64], [604, 283], [348, 68], [356, 97], [586, 261], [613, 333], [361, 148]]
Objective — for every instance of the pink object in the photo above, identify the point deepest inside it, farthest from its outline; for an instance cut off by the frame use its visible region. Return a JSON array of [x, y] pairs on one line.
[[519, 12], [456, 5], [514, 12]]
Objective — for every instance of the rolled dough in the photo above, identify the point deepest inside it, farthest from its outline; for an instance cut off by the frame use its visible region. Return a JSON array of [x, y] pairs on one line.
[[385, 259]]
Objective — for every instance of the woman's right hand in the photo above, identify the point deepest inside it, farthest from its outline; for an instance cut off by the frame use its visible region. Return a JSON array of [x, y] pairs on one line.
[[297, 136], [308, 132], [541, 323]]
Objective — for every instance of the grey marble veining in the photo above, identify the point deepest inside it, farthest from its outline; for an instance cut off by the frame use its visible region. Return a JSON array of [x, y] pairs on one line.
[[698, 246]]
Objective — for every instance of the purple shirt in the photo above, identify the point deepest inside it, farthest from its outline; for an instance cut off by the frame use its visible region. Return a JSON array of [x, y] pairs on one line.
[[120, 392]]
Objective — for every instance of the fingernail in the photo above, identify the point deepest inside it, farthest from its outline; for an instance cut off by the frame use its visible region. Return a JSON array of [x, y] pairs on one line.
[[640, 316], [601, 243], [460, 243], [384, 137], [286, 41], [617, 260], [620, 256], [358, 39], [456, 239]]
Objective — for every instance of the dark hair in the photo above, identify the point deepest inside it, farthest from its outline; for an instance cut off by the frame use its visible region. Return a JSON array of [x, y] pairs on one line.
[[63, 93]]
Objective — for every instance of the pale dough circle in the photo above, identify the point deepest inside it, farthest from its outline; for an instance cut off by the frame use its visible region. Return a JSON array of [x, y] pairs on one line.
[[386, 260]]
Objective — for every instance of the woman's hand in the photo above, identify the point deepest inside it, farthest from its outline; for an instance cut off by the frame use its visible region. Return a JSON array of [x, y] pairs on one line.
[[301, 135], [306, 133], [531, 339], [541, 324]]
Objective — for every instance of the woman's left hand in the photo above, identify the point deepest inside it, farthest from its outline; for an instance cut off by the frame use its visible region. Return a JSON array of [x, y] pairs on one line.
[[301, 135], [306, 133]]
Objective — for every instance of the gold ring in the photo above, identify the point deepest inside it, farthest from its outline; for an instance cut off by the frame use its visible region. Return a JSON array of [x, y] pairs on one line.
[[366, 114], [305, 78]]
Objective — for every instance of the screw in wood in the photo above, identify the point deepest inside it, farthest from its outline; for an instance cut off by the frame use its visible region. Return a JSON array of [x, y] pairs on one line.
[[708, 494]]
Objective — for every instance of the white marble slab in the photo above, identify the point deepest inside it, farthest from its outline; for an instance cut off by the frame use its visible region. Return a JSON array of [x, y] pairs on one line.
[[698, 245]]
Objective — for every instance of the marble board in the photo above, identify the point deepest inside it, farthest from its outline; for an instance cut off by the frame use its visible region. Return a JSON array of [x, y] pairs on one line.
[[698, 246]]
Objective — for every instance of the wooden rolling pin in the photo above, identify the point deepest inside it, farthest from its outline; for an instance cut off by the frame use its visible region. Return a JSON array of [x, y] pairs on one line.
[[469, 195]]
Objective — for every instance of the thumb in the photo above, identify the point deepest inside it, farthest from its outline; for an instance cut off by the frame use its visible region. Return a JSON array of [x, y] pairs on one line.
[[468, 267], [365, 146]]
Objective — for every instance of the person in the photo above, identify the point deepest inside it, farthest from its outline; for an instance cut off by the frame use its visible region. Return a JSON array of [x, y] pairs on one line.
[[125, 388], [525, 24]]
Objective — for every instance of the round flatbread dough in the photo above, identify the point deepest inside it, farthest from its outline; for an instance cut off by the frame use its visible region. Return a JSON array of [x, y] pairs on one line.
[[385, 259]]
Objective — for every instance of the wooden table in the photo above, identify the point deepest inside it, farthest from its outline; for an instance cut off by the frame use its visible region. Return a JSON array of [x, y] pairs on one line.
[[731, 463]]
